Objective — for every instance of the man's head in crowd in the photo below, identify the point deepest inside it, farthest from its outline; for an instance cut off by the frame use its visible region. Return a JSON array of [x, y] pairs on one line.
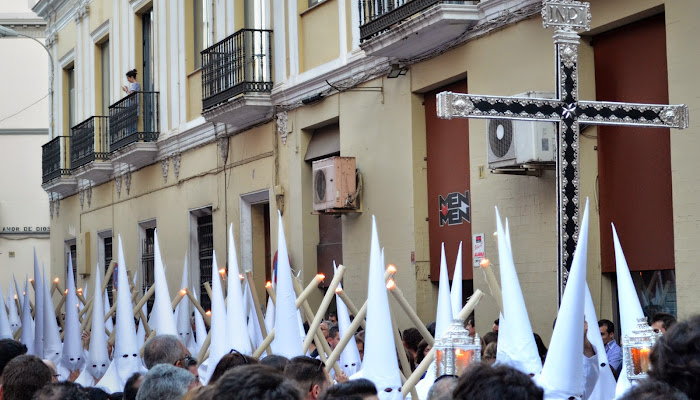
[[650, 389], [675, 358], [356, 389], [607, 330], [255, 382], [23, 376], [494, 328], [191, 365], [61, 391], [275, 361], [165, 382], [164, 349], [310, 376], [333, 317], [9, 349], [333, 336], [325, 326], [469, 326], [442, 388], [230, 361], [661, 322], [482, 381], [132, 385]]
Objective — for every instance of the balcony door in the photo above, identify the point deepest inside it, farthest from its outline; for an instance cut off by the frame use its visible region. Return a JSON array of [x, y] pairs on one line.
[[147, 41], [257, 44]]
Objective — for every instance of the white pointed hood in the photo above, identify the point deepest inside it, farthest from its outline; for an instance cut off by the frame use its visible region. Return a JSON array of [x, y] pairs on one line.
[[52, 337], [199, 327], [562, 374], [516, 343], [236, 317], [109, 324], [253, 322], [380, 364], [38, 310], [126, 360], [350, 361], [443, 318], [288, 340], [162, 318], [182, 313], [219, 346], [5, 329], [27, 335], [72, 357], [630, 309], [13, 316], [98, 359], [456, 289], [605, 387]]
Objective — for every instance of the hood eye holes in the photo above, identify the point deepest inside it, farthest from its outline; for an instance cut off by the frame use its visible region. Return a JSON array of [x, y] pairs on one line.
[[94, 365], [125, 355], [72, 359], [104, 365]]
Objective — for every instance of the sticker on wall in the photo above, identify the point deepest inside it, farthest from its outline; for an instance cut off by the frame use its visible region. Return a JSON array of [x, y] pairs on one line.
[[478, 244], [454, 208]]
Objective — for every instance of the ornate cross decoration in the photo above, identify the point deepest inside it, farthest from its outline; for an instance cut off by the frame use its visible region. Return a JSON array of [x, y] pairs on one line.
[[567, 17]]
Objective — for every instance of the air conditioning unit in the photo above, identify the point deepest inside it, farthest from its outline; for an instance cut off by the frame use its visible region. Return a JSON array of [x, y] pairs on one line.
[[334, 183], [513, 143]]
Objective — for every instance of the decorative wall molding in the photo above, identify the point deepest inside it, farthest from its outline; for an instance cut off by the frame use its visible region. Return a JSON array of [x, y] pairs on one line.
[[50, 205], [81, 196], [118, 185], [82, 12], [127, 182], [89, 195], [58, 204], [100, 32], [223, 148], [282, 120], [164, 163], [176, 166]]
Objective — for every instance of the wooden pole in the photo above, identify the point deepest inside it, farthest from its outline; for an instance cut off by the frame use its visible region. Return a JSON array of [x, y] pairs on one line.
[[199, 308], [348, 303], [327, 298], [256, 302], [349, 334], [144, 299], [207, 287], [492, 282], [423, 366], [398, 295], [178, 297], [402, 355], [265, 344], [205, 347]]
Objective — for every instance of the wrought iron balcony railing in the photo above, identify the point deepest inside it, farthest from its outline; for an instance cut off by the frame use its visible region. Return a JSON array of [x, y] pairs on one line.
[[134, 119], [89, 141], [239, 64], [377, 16], [54, 158]]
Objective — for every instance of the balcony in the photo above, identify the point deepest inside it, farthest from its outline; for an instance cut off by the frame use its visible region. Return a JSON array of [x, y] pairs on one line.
[[89, 150], [134, 129], [237, 79], [410, 28], [55, 166]]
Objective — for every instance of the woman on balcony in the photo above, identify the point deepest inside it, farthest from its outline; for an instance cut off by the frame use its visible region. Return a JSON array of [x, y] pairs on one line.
[[133, 85]]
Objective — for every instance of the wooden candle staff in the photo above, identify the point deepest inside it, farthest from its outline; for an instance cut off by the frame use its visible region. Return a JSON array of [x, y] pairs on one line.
[[256, 303], [398, 295], [492, 282], [324, 306]]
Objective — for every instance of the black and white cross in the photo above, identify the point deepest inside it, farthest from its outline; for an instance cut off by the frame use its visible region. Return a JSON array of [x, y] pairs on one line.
[[567, 17]]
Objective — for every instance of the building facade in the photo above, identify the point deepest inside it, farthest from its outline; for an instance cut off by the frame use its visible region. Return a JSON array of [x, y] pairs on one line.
[[239, 98], [24, 206]]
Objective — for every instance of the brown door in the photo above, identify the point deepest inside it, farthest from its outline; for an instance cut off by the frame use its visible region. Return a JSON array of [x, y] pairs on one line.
[[449, 199], [330, 245], [635, 163]]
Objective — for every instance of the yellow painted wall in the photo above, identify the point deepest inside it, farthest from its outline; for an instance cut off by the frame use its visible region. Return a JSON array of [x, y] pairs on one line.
[[100, 11], [66, 39], [194, 95], [320, 40]]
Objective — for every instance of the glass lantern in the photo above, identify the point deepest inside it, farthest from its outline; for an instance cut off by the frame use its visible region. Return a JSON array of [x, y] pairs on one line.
[[636, 348], [455, 350]]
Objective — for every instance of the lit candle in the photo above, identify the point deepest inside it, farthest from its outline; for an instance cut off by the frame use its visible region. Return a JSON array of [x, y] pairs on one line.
[[398, 295], [492, 282], [241, 277], [310, 289], [55, 280], [208, 313]]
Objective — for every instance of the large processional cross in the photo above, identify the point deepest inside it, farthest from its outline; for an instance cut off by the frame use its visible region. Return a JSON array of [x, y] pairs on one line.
[[568, 17]]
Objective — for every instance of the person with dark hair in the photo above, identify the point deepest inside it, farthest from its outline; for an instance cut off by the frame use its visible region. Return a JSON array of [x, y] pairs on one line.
[[431, 328], [333, 317], [94, 393], [490, 351], [191, 365], [442, 388], [9, 349], [661, 322], [612, 349], [166, 382], [423, 350], [309, 375], [484, 382], [132, 385], [230, 361], [494, 328], [541, 348], [675, 358], [333, 336], [490, 337], [255, 382], [650, 389], [411, 339], [164, 349], [356, 389], [61, 391], [133, 85], [360, 342], [469, 326], [23, 376], [275, 361]]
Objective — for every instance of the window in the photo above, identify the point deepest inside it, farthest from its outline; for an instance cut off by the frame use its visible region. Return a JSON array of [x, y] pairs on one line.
[[147, 47], [71, 251], [205, 242], [201, 30], [105, 80], [656, 291], [71, 97], [106, 260], [147, 246]]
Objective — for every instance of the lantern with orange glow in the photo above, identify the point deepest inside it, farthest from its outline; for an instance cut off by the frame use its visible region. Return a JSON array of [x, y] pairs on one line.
[[636, 348], [455, 350]]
